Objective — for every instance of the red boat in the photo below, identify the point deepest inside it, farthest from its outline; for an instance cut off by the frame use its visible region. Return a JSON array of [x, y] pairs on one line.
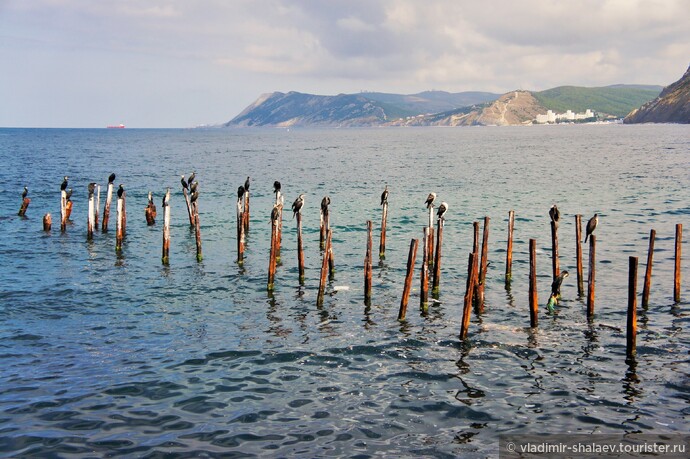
[[119, 126]]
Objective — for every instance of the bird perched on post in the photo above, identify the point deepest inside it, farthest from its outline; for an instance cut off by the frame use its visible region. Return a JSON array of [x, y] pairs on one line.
[[184, 183], [63, 186], [275, 213], [325, 202], [25, 192], [442, 209], [193, 197], [191, 177], [297, 205], [111, 178], [120, 191], [193, 186], [554, 213], [68, 194], [240, 193], [384, 195], [166, 198], [92, 189], [276, 186], [556, 291], [246, 184], [430, 200], [591, 226]]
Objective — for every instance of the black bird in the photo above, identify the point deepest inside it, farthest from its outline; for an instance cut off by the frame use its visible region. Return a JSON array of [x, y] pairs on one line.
[[591, 226], [191, 177], [25, 192], [275, 213], [384, 195], [194, 196], [554, 213], [68, 194], [111, 179], [430, 200], [193, 186], [184, 183], [166, 198], [297, 205], [276, 186], [246, 184], [557, 282], [63, 187], [442, 209], [325, 202], [240, 193], [120, 191], [92, 189]]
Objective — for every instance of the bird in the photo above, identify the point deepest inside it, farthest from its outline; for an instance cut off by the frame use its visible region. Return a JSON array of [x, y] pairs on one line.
[[554, 213], [442, 209], [240, 193], [63, 187], [191, 177], [276, 186], [92, 189], [194, 196], [25, 192], [297, 205], [166, 198], [184, 183], [246, 184], [557, 282], [591, 225], [384, 195], [430, 200], [68, 194], [111, 179], [193, 186], [325, 202], [275, 213], [120, 191]]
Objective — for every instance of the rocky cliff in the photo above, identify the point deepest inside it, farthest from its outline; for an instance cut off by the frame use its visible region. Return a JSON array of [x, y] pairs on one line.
[[672, 105]]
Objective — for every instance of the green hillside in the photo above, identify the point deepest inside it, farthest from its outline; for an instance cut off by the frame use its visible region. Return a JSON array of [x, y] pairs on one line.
[[613, 100]]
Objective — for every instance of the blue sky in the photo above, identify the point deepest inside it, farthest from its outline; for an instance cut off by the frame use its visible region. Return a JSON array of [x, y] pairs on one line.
[[175, 63]]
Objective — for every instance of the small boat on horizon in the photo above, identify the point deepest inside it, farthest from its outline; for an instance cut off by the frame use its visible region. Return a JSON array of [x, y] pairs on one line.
[[116, 126]]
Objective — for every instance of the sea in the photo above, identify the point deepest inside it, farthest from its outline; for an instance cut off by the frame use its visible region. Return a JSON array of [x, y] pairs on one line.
[[107, 353]]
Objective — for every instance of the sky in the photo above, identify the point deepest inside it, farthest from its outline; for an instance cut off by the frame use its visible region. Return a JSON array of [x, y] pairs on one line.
[[185, 63]]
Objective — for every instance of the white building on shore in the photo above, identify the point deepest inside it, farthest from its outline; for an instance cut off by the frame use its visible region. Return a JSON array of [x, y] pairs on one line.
[[551, 117]]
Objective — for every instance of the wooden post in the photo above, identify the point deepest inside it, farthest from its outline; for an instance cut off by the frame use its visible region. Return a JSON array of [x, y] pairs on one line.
[[578, 249], [246, 210], [119, 231], [368, 265], [91, 214], [469, 293], [555, 263], [150, 211], [106, 209], [166, 228], [124, 214], [591, 277], [384, 219], [47, 222], [197, 232], [431, 235], [509, 250], [279, 237], [631, 332], [240, 232], [322, 228], [676, 270], [189, 206], [63, 211], [533, 296], [483, 266], [324, 270], [25, 202], [300, 249], [437, 258], [272, 256], [648, 270], [98, 207], [408, 279], [424, 278], [68, 209], [329, 247]]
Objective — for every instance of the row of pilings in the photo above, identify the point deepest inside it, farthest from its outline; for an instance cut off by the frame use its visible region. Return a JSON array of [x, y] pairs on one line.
[[430, 271]]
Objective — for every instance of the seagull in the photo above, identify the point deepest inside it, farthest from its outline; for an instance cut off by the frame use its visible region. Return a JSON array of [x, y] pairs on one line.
[[554, 213], [442, 209], [184, 183], [111, 179], [325, 202], [246, 184], [384, 195], [297, 205], [120, 191], [63, 187], [25, 192], [591, 225], [430, 200]]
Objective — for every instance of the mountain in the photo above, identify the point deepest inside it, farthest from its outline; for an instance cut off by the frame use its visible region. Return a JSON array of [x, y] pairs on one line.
[[672, 105], [613, 100], [398, 105]]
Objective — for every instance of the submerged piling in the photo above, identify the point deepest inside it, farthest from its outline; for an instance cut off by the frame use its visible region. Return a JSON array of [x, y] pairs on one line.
[[676, 269], [47, 222], [25, 202], [631, 330], [424, 276], [592, 276], [648, 271], [368, 264], [533, 295], [509, 249], [166, 228], [469, 293], [578, 250], [408, 279], [150, 211], [384, 219]]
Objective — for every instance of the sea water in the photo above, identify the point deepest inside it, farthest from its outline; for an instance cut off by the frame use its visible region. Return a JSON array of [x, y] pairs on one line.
[[114, 354]]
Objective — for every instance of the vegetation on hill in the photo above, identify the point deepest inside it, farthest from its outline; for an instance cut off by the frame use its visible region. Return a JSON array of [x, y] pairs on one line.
[[613, 100]]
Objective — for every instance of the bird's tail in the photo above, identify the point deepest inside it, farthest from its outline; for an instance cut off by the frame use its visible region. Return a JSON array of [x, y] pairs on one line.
[[586, 236]]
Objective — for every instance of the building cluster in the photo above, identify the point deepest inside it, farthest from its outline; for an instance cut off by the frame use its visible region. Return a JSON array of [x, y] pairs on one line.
[[551, 117]]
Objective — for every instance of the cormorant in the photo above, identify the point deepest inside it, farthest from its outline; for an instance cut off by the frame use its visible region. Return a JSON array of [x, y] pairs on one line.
[[25, 192], [442, 209], [63, 187], [194, 196], [68, 194], [554, 213], [240, 193], [276, 186], [191, 177], [120, 191], [184, 183], [430, 200], [111, 179], [246, 184], [92, 189], [384, 195], [193, 186], [591, 225], [297, 205], [325, 202], [166, 198], [557, 282], [275, 213]]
